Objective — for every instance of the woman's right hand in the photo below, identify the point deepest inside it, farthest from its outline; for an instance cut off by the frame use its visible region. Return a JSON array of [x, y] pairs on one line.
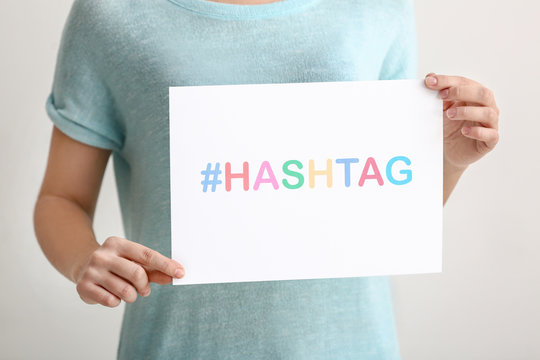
[[119, 269]]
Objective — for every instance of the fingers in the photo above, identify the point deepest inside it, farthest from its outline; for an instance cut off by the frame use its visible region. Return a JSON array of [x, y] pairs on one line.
[[98, 275], [118, 287], [119, 269], [91, 293], [458, 88], [132, 272], [468, 93], [482, 114], [488, 135], [108, 291], [146, 256], [439, 82]]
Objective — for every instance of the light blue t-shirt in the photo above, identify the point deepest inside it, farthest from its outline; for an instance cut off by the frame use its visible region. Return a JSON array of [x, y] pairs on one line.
[[116, 62]]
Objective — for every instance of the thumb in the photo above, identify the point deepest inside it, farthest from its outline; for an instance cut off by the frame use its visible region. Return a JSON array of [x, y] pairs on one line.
[[158, 277]]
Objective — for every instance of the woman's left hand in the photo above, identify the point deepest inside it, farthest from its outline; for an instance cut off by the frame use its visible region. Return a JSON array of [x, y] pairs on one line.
[[470, 119]]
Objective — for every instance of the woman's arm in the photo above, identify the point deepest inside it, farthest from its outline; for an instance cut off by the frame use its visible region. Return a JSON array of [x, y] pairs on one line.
[[66, 203], [63, 216]]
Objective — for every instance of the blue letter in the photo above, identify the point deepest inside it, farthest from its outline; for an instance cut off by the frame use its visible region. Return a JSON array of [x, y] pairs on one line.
[[404, 172], [347, 163]]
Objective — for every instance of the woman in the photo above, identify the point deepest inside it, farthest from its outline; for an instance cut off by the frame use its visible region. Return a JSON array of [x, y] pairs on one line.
[[110, 96]]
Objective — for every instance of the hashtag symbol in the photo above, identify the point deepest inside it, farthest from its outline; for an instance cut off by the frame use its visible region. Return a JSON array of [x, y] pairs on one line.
[[211, 173]]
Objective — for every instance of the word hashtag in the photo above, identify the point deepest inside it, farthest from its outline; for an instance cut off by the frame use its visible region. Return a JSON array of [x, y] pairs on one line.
[[215, 177]]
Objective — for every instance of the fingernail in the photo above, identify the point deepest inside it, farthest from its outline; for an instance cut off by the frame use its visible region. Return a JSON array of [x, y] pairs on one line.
[[444, 93], [466, 130], [451, 112], [432, 80], [146, 292], [179, 273]]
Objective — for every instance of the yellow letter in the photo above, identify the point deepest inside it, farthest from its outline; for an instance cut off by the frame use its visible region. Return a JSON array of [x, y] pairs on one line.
[[313, 172]]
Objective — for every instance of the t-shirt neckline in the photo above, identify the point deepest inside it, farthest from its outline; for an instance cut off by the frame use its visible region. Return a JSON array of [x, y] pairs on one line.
[[237, 11]]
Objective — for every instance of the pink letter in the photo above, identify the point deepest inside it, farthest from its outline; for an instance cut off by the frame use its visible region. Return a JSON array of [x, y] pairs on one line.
[[271, 178], [243, 175], [376, 175]]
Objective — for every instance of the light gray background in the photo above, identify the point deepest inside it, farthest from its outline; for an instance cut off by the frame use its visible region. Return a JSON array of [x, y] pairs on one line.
[[485, 304]]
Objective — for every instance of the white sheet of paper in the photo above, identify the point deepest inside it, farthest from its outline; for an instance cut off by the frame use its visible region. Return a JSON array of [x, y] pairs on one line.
[[322, 231]]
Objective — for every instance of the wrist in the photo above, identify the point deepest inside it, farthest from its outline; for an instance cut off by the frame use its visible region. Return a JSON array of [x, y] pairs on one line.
[[452, 169], [82, 260], [451, 175]]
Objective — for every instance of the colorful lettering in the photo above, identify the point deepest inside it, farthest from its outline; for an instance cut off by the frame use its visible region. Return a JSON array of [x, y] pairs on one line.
[[291, 169]]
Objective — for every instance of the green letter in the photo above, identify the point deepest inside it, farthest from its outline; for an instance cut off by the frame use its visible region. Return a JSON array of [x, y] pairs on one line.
[[295, 174]]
